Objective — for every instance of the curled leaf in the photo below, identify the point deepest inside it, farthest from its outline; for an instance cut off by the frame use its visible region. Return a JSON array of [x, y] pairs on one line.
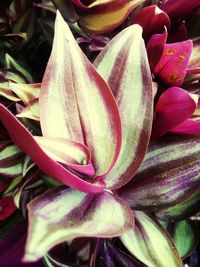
[[104, 16], [26, 142]]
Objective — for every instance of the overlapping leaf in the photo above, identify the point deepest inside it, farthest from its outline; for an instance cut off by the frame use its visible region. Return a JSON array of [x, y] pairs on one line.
[[26, 92], [179, 10], [26, 142], [104, 253]]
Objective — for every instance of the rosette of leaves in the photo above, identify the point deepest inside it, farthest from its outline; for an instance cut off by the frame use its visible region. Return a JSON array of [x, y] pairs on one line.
[[96, 125]]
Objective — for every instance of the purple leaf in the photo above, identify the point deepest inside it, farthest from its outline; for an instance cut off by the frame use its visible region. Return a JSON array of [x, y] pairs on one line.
[[12, 249], [108, 255], [167, 176]]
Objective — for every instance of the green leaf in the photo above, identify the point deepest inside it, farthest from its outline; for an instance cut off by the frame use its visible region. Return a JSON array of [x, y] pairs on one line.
[[11, 63], [183, 209], [185, 236]]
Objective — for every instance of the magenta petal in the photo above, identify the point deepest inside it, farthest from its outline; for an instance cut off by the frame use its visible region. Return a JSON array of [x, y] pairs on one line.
[[174, 106], [173, 64], [189, 126], [26, 142], [155, 48], [179, 9], [152, 20]]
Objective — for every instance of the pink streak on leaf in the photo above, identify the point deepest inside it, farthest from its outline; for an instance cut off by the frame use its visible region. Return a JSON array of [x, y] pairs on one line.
[[174, 106], [26, 142]]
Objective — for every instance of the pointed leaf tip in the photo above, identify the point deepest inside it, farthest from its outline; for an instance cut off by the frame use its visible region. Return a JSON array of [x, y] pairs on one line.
[[64, 214], [150, 243], [76, 103], [124, 65]]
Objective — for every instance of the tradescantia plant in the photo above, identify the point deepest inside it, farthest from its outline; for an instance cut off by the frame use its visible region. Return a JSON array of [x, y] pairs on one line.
[[76, 153]]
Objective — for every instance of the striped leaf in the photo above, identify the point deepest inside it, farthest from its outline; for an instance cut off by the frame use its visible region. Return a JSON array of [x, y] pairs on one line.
[[11, 159], [124, 65], [169, 175], [150, 243], [76, 103], [64, 214]]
